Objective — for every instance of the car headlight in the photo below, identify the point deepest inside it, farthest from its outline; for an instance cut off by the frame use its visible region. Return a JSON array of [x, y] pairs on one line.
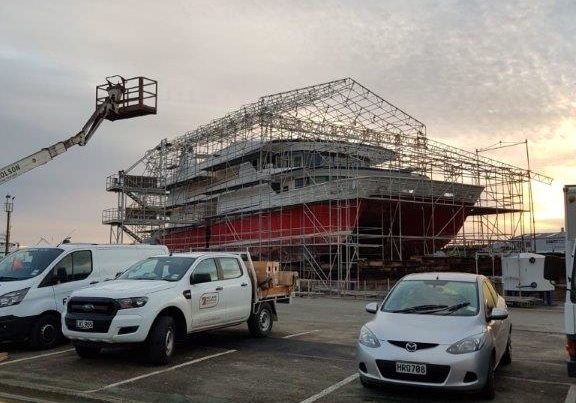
[[468, 345], [136, 302], [13, 298], [368, 338]]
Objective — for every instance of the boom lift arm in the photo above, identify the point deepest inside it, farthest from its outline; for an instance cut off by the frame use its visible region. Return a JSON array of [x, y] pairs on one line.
[[121, 101]]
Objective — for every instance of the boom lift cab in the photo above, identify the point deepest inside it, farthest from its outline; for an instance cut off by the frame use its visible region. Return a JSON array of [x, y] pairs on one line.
[[119, 98]]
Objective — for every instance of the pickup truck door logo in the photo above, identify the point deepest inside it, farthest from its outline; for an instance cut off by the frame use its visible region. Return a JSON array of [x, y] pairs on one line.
[[209, 300]]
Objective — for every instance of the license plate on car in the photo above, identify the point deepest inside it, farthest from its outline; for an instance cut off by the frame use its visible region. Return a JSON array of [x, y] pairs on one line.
[[85, 324], [411, 368]]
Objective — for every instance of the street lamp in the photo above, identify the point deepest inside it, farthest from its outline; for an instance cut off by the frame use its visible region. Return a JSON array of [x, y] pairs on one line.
[[8, 208]]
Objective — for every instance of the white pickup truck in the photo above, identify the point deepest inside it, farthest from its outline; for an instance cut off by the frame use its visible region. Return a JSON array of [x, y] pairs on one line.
[[160, 300]]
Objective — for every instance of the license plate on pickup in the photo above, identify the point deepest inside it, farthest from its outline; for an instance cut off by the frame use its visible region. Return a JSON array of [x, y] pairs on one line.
[[85, 324], [410, 368]]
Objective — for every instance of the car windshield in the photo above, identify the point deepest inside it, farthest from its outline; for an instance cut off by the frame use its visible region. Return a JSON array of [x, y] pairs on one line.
[[433, 297], [168, 268], [27, 263]]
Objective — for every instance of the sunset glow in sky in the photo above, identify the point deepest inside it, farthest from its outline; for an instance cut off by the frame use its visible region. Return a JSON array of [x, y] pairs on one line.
[[475, 72]]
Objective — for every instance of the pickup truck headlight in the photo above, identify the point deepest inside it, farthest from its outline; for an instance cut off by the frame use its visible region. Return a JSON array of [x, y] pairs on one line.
[[368, 338], [468, 345], [13, 298], [136, 302]]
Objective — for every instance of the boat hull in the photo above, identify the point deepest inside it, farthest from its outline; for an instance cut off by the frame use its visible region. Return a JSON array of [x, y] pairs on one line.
[[383, 229]]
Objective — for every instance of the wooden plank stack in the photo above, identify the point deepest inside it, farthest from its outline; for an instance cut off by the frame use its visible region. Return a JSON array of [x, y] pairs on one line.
[[272, 281]]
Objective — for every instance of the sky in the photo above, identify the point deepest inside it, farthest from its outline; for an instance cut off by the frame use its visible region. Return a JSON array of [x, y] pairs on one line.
[[475, 72]]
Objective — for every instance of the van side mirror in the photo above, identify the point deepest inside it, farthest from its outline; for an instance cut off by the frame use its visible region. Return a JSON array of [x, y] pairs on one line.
[[198, 278], [372, 307], [61, 275]]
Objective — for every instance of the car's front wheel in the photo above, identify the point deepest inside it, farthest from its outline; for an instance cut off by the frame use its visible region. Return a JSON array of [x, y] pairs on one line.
[[488, 392], [507, 357]]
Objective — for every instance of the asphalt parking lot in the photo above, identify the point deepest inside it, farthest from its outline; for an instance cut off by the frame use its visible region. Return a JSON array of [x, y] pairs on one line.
[[308, 358]]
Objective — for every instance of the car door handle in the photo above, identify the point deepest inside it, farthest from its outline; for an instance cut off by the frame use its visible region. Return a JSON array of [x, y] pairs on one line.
[[94, 282], [219, 288], [244, 284]]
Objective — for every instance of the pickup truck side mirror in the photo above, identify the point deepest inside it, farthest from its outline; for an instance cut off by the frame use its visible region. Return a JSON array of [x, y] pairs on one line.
[[61, 275], [198, 278]]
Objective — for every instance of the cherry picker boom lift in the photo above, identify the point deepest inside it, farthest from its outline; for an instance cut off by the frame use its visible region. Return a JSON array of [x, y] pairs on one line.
[[118, 99]]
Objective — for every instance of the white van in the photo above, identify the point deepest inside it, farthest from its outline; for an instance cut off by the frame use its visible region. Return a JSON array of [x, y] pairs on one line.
[[35, 283]]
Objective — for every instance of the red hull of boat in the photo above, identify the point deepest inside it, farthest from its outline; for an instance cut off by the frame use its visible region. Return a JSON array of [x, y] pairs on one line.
[[390, 229]]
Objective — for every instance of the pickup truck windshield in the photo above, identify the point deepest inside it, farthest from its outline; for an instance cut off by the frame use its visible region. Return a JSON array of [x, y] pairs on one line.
[[168, 268], [27, 263]]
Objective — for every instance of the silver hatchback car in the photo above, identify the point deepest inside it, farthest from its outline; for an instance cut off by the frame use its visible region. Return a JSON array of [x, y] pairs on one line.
[[439, 330]]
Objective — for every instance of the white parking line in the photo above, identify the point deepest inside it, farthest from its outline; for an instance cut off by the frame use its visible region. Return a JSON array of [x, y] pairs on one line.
[[516, 378], [21, 398], [160, 371], [299, 334], [35, 357], [330, 389]]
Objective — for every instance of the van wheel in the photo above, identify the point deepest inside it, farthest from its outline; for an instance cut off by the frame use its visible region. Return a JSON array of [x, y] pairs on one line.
[[87, 351], [260, 324], [46, 332], [162, 340]]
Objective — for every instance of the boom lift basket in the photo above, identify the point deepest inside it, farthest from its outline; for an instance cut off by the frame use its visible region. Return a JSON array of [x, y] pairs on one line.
[[139, 97]]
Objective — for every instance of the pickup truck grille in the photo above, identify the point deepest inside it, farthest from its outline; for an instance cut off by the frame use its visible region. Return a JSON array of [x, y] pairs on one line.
[[93, 306], [99, 311]]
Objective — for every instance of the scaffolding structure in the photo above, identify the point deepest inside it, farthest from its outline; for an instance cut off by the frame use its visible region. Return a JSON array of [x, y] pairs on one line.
[[326, 179]]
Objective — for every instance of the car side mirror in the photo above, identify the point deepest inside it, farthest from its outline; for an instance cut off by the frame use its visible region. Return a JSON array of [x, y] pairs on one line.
[[61, 275], [372, 307], [198, 278], [118, 274], [498, 314]]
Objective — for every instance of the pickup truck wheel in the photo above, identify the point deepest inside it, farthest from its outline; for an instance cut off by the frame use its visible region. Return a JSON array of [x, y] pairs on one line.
[[162, 341], [46, 332], [260, 324], [87, 351]]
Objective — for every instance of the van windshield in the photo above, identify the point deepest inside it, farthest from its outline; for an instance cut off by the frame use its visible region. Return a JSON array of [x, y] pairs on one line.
[[27, 263], [168, 268]]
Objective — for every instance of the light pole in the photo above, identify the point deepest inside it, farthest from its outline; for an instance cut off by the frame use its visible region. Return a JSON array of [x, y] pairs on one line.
[[8, 208]]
